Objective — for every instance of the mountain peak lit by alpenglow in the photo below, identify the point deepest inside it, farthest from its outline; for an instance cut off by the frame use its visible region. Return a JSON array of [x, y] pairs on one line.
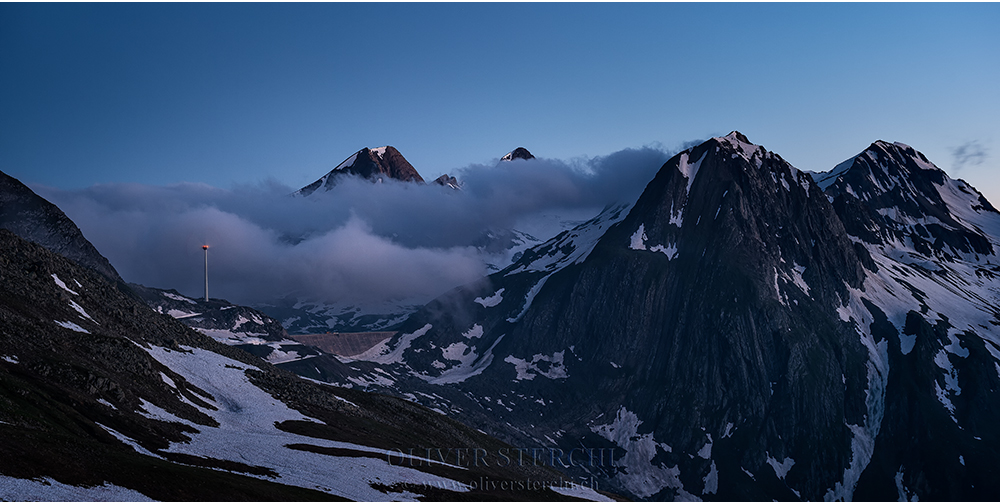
[[375, 165]]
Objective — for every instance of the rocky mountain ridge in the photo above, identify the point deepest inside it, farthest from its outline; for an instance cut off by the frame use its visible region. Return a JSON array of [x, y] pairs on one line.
[[740, 333], [35, 219]]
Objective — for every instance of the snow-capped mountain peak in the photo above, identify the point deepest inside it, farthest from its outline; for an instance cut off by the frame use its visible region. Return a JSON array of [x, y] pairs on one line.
[[898, 195], [741, 144]]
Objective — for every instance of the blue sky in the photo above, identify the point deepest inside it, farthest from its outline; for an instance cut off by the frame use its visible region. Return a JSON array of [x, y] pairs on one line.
[[227, 94]]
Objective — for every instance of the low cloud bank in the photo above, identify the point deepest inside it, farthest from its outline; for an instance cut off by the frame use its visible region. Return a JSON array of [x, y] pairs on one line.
[[359, 243]]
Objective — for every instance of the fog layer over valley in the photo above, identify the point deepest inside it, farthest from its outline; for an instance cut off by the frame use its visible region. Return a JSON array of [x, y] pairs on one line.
[[360, 242]]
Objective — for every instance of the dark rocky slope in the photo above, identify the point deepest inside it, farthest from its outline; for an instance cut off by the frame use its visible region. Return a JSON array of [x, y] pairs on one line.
[[35, 219]]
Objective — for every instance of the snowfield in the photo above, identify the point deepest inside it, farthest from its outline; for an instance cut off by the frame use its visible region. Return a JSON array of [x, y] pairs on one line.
[[247, 433]]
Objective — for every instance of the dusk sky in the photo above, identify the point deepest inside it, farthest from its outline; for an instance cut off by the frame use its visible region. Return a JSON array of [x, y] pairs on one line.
[[228, 94], [159, 127]]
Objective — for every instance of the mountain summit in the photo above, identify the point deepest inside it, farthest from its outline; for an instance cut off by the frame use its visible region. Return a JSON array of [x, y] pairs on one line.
[[518, 153], [892, 193], [372, 164]]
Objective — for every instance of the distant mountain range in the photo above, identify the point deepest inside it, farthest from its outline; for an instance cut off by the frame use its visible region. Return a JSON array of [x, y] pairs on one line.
[[304, 316], [386, 162]]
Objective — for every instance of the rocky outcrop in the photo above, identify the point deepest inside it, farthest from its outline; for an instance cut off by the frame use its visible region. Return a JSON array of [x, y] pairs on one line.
[[447, 181], [518, 153]]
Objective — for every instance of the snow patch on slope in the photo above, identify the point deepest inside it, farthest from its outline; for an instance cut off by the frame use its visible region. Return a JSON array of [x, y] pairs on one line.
[[527, 370], [491, 301], [475, 331], [62, 285], [71, 326], [641, 476], [381, 354], [529, 297], [573, 246], [49, 490], [780, 468], [670, 250], [470, 365], [247, 433], [688, 169], [80, 310], [176, 297], [638, 239]]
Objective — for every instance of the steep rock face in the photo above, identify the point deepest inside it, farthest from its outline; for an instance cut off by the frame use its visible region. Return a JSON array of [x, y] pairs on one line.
[[372, 164], [33, 218], [713, 299]]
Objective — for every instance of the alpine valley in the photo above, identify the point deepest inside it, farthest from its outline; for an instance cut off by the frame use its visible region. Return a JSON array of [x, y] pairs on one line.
[[743, 330]]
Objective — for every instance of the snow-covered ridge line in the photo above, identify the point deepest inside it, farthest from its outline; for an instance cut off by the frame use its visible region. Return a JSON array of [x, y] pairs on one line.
[[573, 246]]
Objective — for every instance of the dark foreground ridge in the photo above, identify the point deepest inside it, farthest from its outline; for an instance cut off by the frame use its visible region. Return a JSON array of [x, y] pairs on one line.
[[98, 389]]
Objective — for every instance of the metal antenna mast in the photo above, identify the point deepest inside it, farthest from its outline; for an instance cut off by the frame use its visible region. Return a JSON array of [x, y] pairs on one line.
[[205, 248]]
